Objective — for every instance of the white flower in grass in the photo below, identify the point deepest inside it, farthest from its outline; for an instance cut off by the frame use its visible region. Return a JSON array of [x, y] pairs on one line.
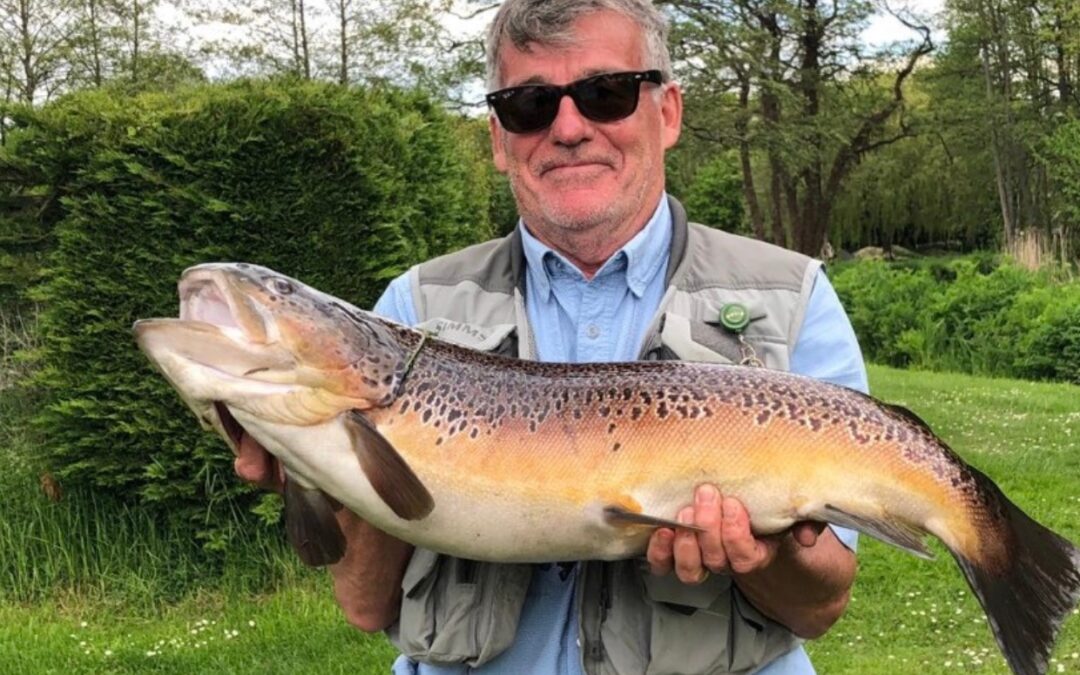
[[251, 623], [108, 652], [83, 624]]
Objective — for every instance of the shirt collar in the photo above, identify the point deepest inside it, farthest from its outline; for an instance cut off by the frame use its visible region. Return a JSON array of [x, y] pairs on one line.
[[641, 257]]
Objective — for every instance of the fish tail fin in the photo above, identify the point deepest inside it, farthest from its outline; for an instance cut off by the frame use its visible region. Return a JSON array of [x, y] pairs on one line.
[[1027, 579]]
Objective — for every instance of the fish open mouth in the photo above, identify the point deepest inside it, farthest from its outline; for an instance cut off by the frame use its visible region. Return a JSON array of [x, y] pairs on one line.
[[203, 300]]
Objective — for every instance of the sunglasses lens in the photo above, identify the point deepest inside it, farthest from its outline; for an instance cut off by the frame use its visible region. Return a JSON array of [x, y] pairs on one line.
[[608, 97], [528, 108], [603, 98]]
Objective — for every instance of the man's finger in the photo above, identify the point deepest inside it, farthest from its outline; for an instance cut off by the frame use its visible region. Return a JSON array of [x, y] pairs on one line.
[[744, 552], [660, 553], [688, 565], [806, 533], [707, 515], [255, 465]]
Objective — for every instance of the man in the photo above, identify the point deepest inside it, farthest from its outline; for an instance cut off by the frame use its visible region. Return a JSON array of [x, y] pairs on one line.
[[604, 267]]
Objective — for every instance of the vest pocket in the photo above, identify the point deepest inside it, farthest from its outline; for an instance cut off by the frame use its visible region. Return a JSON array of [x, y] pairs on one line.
[[690, 625], [456, 611]]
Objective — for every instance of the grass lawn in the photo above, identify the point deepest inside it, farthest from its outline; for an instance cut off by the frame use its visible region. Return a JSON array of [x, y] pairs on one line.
[[907, 615]]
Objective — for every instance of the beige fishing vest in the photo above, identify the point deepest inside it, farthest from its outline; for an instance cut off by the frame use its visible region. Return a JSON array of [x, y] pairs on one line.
[[457, 611]]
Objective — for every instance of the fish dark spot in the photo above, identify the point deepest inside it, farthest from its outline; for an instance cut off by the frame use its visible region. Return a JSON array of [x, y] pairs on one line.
[[815, 423], [532, 426], [682, 410], [662, 410], [426, 416], [627, 394], [388, 380], [577, 413], [604, 411], [474, 432], [439, 440], [404, 408], [635, 413], [611, 427], [763, 416], [454, 414], [615, 448]]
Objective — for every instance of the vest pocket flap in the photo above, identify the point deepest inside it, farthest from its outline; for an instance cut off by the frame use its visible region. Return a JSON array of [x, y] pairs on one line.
[[670, 591], [482, 338], [420, 568], [698, 341]]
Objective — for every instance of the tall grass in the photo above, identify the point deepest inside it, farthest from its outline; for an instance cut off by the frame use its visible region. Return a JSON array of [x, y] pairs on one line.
[[100, 547]]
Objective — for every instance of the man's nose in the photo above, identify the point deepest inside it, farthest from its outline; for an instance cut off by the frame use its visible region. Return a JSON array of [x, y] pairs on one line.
[[570, 126]]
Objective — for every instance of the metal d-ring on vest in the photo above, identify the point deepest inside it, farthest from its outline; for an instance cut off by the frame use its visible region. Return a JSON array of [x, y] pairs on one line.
[[736, 318]]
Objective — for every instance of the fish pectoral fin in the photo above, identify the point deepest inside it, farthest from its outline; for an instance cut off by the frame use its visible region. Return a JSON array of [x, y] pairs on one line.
[[389, 474], [900, 535], [620, 516], [310, 525]]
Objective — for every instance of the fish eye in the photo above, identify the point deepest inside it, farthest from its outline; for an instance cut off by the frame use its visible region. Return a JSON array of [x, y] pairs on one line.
[[281, 286]]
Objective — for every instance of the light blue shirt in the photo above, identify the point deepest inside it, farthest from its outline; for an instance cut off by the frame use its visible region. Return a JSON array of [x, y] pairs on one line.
[[605, 319]]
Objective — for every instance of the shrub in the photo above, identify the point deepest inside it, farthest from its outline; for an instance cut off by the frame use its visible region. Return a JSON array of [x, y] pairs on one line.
[[340, 187], [975, 314]]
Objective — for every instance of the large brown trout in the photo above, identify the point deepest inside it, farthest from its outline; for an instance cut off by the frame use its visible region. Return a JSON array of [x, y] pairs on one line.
[[489, 458]]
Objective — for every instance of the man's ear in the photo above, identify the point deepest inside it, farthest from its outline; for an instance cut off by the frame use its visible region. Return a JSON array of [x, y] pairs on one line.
[[671, 108], [498, 152]]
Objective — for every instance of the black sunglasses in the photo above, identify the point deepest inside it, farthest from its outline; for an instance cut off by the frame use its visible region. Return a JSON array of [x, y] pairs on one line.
[[601, 98]]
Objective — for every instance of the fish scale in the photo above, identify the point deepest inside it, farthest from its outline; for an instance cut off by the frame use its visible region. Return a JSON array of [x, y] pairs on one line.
[[490, 458]]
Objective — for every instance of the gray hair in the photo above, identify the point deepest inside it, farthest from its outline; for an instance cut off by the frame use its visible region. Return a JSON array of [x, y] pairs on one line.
[[549, 22]]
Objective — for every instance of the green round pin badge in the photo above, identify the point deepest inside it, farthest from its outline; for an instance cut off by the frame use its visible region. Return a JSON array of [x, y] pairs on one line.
[[734, 317]]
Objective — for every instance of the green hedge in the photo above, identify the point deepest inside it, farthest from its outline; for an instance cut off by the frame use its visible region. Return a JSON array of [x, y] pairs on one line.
[[969, 314], [340, 187]]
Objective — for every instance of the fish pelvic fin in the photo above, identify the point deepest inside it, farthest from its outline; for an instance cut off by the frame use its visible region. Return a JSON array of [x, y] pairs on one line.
[[390, 475], [1029, 588], [620, 516], [888, 530], [310, 525]]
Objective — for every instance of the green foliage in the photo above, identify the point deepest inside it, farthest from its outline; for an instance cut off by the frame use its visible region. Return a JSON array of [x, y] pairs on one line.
[[1064, 161], [340, 187], [714, 197], [969, 314]]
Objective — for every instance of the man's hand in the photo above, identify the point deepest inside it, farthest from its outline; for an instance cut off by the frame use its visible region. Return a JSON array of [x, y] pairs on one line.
[[800, 578], [255, 465], [367, 580]]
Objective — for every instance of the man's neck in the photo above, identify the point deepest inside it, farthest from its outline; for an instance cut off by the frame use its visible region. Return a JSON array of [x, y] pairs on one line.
[[589, 249]]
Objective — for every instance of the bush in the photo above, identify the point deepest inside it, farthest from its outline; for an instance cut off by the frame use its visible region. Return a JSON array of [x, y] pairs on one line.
[[714, 197], [971, 314], [340, 187]]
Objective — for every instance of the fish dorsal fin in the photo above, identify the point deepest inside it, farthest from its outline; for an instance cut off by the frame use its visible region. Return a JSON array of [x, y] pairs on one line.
[[907, 414], [389, 474], [620, 516], [890, 531], [310, 525]]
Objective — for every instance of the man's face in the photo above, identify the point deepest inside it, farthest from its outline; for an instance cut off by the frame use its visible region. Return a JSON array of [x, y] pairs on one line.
[[578, 174]]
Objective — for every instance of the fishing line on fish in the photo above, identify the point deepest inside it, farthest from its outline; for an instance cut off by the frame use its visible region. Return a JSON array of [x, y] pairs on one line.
[[424, 335]]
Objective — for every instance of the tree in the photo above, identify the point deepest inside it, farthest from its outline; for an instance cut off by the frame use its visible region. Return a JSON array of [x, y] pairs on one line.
[[806, 99], [35, 38]]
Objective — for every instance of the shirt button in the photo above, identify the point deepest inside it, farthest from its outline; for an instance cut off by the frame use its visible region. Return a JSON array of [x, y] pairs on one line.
[[593, 331]]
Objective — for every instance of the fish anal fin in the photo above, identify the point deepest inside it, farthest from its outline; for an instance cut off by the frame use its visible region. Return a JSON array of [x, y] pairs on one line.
[[890, 531], [620, 516], [310, 525], [389, 474]]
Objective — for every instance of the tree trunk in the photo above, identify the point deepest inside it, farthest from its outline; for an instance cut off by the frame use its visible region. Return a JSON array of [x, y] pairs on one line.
[[136, 38], [343, 22], [95, 44], [757, 220], [1000, 177]]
